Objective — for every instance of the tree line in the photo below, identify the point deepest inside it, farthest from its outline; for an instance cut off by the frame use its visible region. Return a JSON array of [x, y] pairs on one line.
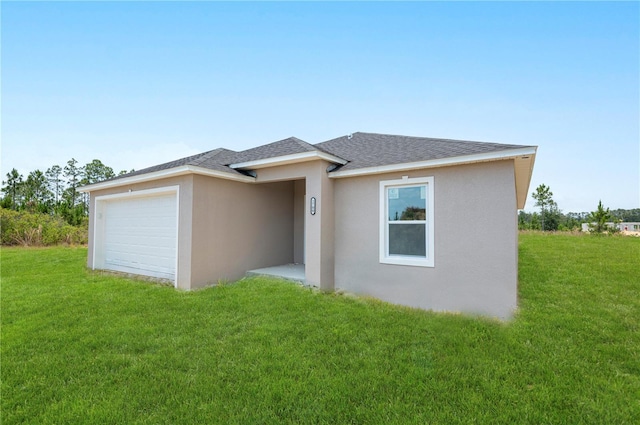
[[54, 191], [552, 218]]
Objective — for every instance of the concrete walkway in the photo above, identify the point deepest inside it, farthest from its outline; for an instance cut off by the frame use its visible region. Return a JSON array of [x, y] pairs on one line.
[[293, 272]]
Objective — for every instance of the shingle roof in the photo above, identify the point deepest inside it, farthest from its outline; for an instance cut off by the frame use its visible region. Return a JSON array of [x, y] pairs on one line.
[[361, 150], [213, 160], [364, 150], [217, 161], [289, 146]]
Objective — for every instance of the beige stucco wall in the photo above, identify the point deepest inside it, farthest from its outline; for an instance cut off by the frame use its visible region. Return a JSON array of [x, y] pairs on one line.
[[319, 227], [185, 196], [227, 227], [239, 227], [475, 242], [298, 221]]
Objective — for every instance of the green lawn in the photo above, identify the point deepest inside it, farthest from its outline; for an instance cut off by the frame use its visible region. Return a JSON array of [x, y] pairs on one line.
[[81, 347]]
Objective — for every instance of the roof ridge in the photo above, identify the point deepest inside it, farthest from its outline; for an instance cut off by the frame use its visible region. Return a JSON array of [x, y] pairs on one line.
[[205, 156], [268, 144], [210, 155], [287, 146], [303, 143]]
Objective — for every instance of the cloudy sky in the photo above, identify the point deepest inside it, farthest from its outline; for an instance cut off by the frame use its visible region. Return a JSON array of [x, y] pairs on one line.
[[135, 84]]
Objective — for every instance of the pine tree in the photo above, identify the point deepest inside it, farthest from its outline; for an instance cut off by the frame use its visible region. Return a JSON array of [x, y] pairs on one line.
[[56, 184], [12, 189], [598, 219], [544, 199]]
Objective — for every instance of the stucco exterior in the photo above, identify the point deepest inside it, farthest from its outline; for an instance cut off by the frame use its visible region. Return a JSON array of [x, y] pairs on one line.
[[224, 230], [185, 228], [228, 227], [239, 227], [475, 265], [319, 224], [290, 202]]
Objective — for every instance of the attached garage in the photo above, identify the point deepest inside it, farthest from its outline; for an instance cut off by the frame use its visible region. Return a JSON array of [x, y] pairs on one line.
[[137, 232]]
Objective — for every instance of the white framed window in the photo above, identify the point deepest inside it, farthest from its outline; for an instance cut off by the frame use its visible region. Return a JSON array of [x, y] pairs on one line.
[[406, 222]]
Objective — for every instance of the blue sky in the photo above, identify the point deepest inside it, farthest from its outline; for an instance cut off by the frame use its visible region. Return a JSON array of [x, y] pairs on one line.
[[135, 84]]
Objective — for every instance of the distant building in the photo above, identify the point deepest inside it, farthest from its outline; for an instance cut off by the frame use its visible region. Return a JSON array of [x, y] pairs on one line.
[[628, 227]]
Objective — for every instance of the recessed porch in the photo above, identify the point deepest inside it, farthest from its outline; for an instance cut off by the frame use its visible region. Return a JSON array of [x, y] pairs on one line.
[[293, 272]]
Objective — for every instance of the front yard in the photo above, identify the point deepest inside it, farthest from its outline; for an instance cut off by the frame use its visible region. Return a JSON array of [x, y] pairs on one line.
[[82, 347]]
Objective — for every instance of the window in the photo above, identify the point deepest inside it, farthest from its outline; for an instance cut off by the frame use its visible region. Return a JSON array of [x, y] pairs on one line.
[[406, 222]]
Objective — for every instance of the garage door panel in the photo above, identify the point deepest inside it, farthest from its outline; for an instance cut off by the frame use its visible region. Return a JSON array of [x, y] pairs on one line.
[[140, 235], [133, 238], [159, 256]]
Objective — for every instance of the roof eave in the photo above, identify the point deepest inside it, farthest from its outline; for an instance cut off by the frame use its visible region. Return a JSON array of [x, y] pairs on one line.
[[433, 163], [287, 159], [523, 170], [163, 174], [524, 158]]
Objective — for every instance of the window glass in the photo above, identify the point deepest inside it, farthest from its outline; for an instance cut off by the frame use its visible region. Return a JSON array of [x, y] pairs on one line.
[[407, 203], [407, 239]]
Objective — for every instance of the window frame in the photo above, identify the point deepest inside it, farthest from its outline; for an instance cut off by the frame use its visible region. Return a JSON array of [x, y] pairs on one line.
[[407, 260]]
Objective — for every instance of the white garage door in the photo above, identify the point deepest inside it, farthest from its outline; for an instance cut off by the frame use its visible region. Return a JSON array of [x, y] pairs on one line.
[[140, 235]]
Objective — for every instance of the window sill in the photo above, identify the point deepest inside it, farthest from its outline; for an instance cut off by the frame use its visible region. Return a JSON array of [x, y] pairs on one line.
[[408, 261]]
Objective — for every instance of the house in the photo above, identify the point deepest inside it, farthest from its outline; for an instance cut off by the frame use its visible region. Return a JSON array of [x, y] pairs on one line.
[[366, 213]]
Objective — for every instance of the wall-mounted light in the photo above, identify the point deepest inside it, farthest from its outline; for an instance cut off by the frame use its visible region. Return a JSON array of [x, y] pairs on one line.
[[312, 207]]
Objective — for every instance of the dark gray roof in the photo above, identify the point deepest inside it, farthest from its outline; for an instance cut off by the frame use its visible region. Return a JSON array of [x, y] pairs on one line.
[[217, 161], [361, 150], [289, 146], [213, 160], [364, 150]]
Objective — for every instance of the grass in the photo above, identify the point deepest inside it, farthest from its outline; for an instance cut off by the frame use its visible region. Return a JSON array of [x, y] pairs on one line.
[[82, 347]]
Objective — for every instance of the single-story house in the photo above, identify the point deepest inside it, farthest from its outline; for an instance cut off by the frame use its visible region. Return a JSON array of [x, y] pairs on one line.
[[423, 222]]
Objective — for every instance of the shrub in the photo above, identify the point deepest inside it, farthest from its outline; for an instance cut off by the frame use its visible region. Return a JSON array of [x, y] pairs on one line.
[[37, 229]]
